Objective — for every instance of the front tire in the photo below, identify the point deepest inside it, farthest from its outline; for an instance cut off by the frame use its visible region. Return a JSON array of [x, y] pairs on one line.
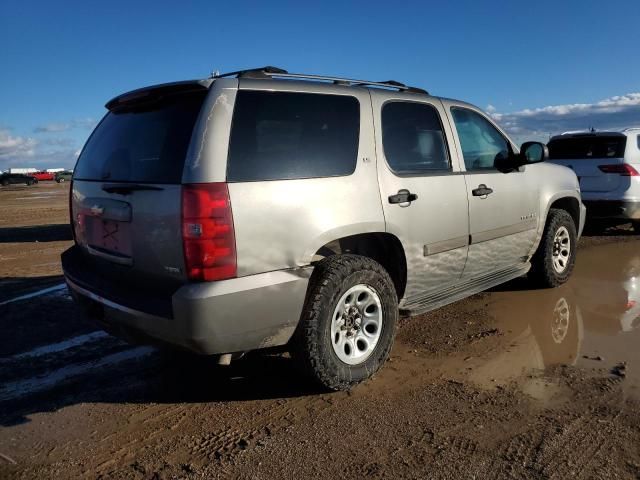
[[553, 262], [348, 323]]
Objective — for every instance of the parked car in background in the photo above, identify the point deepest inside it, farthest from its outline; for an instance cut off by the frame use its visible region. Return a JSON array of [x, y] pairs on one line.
[[271, 209], [608, 167], [64, 176], [43, 176], [16, 179]]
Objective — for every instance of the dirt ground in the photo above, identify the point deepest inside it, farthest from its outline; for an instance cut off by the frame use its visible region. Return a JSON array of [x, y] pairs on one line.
[[512, 383]]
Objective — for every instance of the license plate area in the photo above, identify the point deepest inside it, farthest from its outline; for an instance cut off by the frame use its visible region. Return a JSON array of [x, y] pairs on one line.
[[109, 236]]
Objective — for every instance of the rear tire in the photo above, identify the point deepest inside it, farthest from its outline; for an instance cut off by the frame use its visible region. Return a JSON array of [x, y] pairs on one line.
[[60, 180], [5, 183], [553, 262], [348, 323]]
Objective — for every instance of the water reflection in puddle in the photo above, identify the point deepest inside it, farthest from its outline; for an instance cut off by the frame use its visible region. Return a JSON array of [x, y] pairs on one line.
[[592, 321]]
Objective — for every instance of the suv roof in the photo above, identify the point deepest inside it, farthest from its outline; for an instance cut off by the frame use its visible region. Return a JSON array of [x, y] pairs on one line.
[[275, 75], [587, 133], [267, 73]]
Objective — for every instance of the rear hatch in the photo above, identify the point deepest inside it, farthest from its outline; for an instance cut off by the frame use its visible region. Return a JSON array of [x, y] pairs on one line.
[[126, 196], [596, 158]]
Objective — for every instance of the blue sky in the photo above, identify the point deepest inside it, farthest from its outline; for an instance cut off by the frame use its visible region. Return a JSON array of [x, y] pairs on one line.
[[540, 67]]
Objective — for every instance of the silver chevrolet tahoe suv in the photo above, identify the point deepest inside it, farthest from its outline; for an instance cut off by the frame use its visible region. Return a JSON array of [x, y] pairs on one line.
[[263, 209]]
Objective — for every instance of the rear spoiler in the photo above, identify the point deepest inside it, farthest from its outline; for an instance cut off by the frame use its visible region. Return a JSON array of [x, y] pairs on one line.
[[156, 92]]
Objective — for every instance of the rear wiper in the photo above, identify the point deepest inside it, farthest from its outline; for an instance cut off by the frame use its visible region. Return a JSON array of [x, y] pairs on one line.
[[126, 189]]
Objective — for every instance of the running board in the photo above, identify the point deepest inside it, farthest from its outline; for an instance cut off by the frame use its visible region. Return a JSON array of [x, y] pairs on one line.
[[431, 301]]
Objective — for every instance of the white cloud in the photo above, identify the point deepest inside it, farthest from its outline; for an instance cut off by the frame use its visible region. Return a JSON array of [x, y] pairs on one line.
[[19, 151], [46, 149], [15, 145], [86, 123], [490, 108], [612, 113], [52, 128], [57, 127]]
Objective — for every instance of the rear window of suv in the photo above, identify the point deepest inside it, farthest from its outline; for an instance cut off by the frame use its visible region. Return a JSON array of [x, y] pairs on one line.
[[286, 135], [575, 148], [145, 143]]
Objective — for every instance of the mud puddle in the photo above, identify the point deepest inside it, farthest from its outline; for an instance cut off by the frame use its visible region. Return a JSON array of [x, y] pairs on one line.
[[592, 321]]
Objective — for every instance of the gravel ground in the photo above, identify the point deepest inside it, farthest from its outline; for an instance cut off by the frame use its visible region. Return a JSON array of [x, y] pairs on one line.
[[512, 383]]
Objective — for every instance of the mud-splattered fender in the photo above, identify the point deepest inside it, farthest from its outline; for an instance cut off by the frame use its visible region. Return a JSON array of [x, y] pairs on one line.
[[555, 183]]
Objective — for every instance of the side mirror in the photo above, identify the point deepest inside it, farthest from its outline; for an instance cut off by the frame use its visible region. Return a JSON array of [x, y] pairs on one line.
[[533, 152]]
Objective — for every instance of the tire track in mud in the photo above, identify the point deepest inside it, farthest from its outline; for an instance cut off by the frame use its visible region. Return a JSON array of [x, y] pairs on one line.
[[143, 428], [225, 444], [147, 430], [561, 442], [44, 368], [217, 433], [574, 449]]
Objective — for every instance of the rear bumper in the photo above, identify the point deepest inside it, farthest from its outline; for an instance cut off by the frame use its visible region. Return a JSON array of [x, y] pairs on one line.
[[236, 315], [614, 209]]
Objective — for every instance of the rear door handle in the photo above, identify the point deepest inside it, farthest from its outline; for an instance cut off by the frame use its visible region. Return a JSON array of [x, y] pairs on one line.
[[403, 196], [482, 191]]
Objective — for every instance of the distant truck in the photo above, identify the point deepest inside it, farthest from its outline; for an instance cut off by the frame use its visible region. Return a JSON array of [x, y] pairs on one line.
[[43, 176], [22, 170], [63, 176]]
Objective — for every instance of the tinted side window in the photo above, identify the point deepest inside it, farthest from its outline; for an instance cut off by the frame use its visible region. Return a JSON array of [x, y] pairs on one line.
[[482, 144], [412, 138], [638, 140], [282, 135]]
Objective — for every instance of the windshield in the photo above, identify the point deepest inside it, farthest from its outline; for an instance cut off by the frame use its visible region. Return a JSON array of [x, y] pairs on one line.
[[143, 143]]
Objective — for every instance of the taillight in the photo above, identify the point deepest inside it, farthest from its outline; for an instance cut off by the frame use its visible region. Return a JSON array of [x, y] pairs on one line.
[[207, 232], [623, 169]]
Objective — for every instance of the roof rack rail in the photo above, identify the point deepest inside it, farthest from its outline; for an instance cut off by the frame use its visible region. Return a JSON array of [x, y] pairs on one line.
[[260, 72], [270, 72]]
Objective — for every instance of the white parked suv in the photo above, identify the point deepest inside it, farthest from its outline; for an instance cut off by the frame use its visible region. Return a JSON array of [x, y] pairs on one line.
[[607, 165]]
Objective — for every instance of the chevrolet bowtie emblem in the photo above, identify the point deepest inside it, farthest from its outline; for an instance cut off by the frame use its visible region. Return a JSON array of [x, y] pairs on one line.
[[97, 210]]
